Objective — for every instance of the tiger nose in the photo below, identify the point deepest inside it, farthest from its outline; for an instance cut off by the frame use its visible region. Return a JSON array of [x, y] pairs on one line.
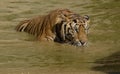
[[79, 43], [83, 43]]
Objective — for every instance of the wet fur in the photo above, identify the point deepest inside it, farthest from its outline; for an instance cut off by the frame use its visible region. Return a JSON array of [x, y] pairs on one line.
[[44, 26]]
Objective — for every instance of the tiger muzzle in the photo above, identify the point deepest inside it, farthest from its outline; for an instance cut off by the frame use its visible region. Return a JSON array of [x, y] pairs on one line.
[[79, 43]]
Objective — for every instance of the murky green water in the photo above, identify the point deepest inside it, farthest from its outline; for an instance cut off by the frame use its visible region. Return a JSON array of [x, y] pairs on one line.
[[21, 54]]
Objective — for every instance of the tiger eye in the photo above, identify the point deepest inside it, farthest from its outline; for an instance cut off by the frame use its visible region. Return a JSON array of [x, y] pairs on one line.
[[75, 21]]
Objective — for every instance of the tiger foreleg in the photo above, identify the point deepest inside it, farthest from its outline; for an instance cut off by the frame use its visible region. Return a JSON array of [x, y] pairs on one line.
[[49, 38]]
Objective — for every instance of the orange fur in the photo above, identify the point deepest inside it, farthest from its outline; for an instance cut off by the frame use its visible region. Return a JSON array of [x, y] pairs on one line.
[[61, 25]]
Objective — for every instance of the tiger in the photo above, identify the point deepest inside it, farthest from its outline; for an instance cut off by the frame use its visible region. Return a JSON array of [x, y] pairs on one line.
[[58, 26]]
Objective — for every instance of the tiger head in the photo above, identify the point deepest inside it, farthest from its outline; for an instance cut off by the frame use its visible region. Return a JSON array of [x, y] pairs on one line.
[[75, 30]]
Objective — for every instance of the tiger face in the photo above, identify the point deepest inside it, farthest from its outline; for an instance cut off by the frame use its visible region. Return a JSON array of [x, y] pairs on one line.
[[76, 30]]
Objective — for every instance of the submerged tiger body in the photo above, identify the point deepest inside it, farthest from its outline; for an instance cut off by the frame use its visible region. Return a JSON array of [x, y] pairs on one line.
[[60, 25]]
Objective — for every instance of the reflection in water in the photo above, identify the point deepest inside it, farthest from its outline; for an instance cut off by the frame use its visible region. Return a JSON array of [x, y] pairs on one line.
[[110, 64], [113, 72]]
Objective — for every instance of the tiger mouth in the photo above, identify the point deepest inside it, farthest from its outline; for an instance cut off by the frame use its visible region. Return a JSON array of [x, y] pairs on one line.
[[78, 44]]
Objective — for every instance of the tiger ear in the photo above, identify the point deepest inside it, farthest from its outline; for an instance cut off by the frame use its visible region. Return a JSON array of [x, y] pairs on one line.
[[61, 17], [86, 17]]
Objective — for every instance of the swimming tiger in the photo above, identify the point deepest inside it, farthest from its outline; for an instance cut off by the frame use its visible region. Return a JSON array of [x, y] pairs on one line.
[[60, 25]]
